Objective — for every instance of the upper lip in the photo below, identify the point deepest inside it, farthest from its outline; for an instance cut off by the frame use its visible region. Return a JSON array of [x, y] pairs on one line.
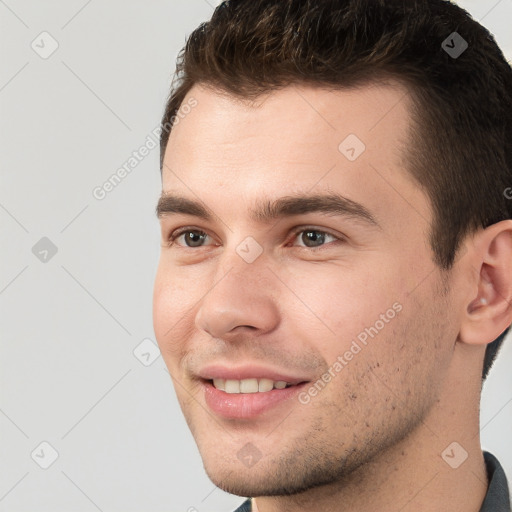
[[248, 371]]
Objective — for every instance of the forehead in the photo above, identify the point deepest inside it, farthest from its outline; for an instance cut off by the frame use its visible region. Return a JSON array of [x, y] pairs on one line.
[[300, 139], [371, 103], [290, 122]]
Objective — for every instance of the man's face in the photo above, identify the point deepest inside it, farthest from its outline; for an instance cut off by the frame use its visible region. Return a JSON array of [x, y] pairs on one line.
[[348, 306]]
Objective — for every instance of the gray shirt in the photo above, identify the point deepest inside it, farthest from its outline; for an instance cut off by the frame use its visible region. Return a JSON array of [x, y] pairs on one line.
[[497, 498]]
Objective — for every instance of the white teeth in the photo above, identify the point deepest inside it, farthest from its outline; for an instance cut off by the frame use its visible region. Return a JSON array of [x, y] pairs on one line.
[[219, 384], [265, 385], [248, 385], [232, 386]]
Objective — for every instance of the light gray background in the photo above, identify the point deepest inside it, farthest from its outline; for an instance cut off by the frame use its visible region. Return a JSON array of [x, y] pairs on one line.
[[69, 325]]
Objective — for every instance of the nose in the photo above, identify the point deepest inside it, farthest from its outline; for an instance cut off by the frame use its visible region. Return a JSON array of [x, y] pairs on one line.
[[241, 296]]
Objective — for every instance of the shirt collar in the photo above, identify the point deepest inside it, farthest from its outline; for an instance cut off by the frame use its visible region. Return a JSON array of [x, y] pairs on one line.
[[497, 498]]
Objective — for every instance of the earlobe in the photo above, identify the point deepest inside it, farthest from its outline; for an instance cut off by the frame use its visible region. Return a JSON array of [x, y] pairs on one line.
[[489, 311]]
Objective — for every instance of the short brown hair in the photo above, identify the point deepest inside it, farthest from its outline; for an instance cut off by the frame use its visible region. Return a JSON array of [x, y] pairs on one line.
[[461, 154]]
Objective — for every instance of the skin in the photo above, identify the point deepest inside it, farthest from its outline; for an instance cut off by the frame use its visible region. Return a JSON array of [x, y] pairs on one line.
[[372, 438]]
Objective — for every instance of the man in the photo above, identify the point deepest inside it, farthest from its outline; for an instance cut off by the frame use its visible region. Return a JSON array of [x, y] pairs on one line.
[[336, 266]]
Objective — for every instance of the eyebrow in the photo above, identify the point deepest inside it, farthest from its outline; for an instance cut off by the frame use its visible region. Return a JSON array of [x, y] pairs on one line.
[[267, 211]]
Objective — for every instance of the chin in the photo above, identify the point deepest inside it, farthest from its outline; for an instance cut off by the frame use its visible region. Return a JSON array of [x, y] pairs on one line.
[[247, 484], [281, 477]]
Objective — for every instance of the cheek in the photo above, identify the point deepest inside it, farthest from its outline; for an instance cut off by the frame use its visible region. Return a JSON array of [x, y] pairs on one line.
[[172, 309], [344, 304], [161, 313]]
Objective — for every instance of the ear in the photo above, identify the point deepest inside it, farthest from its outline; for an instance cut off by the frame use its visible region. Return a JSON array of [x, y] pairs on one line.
[[489, 307]]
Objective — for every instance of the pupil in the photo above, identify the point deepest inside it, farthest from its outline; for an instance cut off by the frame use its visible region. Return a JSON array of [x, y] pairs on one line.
[[316, 236], [193, 235]]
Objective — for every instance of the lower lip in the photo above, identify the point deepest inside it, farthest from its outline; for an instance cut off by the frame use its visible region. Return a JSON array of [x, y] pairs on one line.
[[246, 405]]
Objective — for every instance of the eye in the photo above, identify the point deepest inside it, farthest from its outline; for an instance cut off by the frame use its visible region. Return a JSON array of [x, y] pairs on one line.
[[311, 238], [194, 237]]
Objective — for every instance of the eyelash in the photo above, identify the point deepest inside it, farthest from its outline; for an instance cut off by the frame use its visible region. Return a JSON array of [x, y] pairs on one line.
[[178, 232]]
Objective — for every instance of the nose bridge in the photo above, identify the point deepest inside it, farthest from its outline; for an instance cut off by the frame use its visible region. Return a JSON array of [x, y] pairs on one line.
[[241, 292], [244, 263]]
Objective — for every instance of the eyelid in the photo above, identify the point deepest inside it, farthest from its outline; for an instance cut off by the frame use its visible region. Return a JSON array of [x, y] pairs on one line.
[[185, 229], [294, 232], [308, 227]]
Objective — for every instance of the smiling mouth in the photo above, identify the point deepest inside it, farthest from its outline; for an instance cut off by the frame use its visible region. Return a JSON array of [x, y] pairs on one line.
[[252, 385], [250, 398]]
